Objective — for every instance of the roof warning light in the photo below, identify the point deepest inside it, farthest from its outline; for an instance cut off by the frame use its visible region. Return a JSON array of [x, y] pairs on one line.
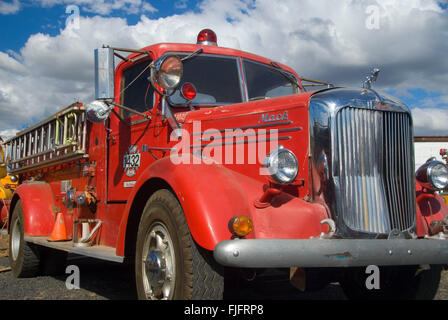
[[207, 37]]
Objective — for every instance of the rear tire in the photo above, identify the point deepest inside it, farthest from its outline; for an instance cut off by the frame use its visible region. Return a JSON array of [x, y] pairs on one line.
[[169, 265], [24, 258], [396, 283]]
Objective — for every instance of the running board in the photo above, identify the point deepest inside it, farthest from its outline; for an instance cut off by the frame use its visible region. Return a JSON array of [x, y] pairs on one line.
[[98, 252]]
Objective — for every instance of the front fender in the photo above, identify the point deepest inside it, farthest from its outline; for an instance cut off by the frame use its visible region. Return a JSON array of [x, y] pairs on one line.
[[210, 195], [431, 207], [37, 203]]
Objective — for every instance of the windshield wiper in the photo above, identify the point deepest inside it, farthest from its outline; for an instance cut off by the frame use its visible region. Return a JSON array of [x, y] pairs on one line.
[[191, 55]]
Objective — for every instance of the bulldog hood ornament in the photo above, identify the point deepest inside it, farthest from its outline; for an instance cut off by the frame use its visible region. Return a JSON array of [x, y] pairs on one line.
[[371, 79]]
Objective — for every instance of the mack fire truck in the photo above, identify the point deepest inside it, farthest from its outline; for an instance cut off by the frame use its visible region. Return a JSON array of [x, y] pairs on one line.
[[198, 164]]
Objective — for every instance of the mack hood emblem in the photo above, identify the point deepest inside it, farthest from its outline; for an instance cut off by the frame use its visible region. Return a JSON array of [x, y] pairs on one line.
[[268, 117]]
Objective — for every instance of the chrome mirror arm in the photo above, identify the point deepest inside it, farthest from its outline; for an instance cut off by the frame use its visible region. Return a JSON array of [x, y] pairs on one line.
[[172, 121]]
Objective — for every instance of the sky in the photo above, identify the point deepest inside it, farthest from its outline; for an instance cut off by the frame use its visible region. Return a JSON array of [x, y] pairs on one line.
[[46, 46]]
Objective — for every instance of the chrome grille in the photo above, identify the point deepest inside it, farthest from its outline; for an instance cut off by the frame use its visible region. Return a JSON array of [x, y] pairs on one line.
[[373, 170]]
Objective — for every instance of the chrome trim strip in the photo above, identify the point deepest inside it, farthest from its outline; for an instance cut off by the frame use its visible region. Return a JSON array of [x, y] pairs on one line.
[[261, 126], [251, 134], [239, 142], [159, 149]]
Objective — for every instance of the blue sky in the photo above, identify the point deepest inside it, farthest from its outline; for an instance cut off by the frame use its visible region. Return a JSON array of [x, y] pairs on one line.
[[33, 18], [44, 63]]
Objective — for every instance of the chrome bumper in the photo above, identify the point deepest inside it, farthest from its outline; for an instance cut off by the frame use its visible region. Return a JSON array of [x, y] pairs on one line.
[[329, 253]]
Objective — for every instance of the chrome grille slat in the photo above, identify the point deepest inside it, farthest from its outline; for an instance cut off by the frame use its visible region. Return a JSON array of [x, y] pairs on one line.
[[374, 170]]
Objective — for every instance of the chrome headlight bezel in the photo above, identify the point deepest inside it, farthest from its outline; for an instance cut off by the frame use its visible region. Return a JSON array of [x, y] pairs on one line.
[[279, 174], [427, 178]]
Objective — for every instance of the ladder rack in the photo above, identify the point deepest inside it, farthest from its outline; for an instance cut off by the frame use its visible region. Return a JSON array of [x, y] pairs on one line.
[[58, 139]]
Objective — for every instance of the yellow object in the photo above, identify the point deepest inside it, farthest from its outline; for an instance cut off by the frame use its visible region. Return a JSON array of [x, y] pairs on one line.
[[7, 187], [241, 226], [445, 196]]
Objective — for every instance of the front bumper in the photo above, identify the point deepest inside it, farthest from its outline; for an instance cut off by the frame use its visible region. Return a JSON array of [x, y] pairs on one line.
[[262, 253]]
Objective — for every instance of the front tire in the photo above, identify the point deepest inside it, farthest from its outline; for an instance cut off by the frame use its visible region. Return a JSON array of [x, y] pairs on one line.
[[169, 265], [24, 258]]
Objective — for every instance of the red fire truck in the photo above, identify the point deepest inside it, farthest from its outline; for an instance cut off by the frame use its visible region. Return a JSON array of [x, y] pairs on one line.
[[197, 161]]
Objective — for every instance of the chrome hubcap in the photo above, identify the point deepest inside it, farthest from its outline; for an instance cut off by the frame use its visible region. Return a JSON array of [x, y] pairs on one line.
[[158, 265], [15, 239]]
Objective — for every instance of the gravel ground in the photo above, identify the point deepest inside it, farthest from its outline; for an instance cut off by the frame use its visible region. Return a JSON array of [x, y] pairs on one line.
[[100, 280]]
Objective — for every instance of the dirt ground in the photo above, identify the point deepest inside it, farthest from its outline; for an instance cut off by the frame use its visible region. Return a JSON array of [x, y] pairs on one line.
[[3, 246]]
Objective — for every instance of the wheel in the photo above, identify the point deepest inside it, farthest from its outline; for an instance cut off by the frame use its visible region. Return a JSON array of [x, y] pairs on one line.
[[396, 283], [169, 265], [24, 258]]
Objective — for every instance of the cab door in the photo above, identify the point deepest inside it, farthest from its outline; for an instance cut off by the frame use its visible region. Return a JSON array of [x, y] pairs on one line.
[[130, 134]]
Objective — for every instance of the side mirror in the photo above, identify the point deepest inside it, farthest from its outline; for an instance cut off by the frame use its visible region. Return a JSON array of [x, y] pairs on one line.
[[104, 74], [97, 111]]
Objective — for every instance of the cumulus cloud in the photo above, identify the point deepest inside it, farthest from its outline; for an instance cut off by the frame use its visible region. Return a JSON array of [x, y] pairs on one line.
[[9, 7], [325, 39], [430, 121]]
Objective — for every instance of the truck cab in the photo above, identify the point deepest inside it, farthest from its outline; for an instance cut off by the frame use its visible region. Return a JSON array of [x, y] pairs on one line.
[[196, 160]]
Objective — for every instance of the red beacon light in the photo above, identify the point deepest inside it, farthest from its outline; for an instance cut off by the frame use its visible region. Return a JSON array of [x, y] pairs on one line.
[[443, 152], [207, 37]]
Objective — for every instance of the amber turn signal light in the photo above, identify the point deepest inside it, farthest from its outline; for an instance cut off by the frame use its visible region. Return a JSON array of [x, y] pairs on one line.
[[241, 226]]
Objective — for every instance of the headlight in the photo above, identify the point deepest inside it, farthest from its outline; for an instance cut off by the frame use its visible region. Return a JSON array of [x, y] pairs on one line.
[[167, 72], [282, 165], [433, 175]]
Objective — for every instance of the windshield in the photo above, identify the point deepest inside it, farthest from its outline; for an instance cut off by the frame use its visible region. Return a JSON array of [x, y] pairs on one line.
[[267, 82], [216, 79]]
